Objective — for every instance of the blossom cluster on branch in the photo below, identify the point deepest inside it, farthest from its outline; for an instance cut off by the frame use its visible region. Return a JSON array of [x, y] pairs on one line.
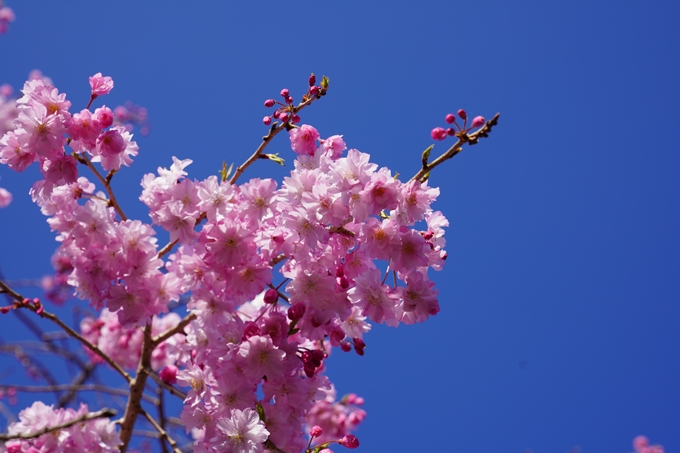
[[273, 278]]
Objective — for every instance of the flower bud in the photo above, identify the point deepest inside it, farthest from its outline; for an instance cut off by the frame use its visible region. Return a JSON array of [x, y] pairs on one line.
[[289, 100], [462, 114], [349, 441], [316, 431], [314, 90], [450, 118], [345, 346], [451, 131], [438, 133], [296, 311], [271, 296], [169, 374], [269, 103], [267, 120], [312, 79], [284, 116], [477, 121], [296, 119], [285, 93]]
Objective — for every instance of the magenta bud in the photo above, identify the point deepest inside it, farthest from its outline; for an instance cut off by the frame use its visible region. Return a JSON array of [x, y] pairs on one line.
[[462, 114], [314, 90], [289, 100], [271, 296], [267, 120], [316, 431], [296, 119], [450, 118], [296, 311], [276, 114], [349, 441], [251, 329], [477, 121], [284, 117], [438, 133], [345, 346], [169, 374], [451, 131], [358, 342], [285, 93], [269, 103], [312, 79]]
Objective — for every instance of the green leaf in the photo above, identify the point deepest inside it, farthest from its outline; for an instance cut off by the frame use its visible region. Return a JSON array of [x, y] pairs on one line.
[[260, 411], [426, 155], [324, 82], [276, 158]]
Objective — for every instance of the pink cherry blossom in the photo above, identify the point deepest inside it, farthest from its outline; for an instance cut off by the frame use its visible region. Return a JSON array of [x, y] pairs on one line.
[[100, 84]]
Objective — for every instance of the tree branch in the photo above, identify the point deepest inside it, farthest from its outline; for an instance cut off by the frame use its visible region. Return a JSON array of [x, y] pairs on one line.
[[161, 431], [470, 139], [20, 303]]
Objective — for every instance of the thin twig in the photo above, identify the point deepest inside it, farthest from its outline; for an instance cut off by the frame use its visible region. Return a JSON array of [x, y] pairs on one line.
[[161, 431], [104, 413], [173, 390], [179, 328], [161, 416], [77, 388], [470, 139], [273, 131], [44, 314], [83, 159]]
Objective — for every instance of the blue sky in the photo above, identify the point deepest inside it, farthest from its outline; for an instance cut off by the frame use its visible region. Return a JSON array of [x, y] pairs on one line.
[[560, 321]]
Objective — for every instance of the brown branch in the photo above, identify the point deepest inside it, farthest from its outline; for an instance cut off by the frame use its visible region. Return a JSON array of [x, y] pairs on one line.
[[173, 390], [179, 328], [161, 416], [104, 413], [470, 139], [134, 407], [44, 314], [161, 431], [273, 131], [77, 388], [83, 159]]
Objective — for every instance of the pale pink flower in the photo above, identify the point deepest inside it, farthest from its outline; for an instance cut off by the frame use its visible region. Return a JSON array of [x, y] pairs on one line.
[[303, 139], [100, 84], [243, 432]]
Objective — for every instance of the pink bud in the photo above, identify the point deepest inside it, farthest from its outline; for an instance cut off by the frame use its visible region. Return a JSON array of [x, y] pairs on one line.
[[345, 346], [169, 374], [349, 441], [451, 131], [325, 450], [296, 311], [438, 133], [269, 103], [296, 119], [271, 296], [289, 100], [477, 121], [450, 118], [314, 90], [251, 329], [285, 93], [462, 114], [267, 120], [316, 431], [284, 116], [312, 79]]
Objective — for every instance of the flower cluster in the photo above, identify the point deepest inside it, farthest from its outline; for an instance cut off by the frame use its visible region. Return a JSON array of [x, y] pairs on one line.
[[641, 445], [124, 344], [97, 435], [351, 243]]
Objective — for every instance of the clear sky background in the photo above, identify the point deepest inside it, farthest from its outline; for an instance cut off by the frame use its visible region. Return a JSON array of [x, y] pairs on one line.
[[561, 296]]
